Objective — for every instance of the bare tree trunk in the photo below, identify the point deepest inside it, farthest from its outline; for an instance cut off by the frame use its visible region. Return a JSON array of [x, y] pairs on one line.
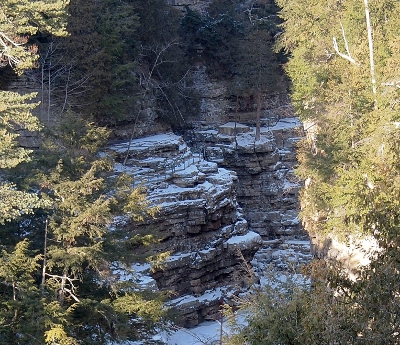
[[258, 123], [44, 257], [42, 91], [49, 92], [221, 327], [62, 288], [346, 44], [66, 90], [236, 120], [14, 288], [371, 52]]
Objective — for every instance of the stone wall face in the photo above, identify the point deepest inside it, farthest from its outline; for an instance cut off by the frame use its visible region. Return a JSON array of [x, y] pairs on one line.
[[216, 108], [267, 188], [199, 222], [224, 200]]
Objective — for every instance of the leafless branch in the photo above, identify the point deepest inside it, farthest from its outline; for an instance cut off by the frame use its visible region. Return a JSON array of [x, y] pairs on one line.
[[63, 288], [393, 83], [346, 44], [146, 84]]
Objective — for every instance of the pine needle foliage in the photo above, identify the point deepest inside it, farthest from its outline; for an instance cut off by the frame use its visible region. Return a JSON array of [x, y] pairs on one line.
[[21, 19], [77, 285], [350, 164], [18, 21], [346, 148]]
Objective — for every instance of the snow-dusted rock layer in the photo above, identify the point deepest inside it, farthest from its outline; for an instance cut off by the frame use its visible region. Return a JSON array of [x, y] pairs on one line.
[[199, 221], [267, 188]]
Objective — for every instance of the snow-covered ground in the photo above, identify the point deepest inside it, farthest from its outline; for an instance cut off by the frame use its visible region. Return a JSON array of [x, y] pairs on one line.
[[209, 332], [205, 333]]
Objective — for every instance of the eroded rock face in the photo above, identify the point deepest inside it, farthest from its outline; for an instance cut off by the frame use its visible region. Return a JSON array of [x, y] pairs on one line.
[[218, 108], [199, 221], [267, 188]]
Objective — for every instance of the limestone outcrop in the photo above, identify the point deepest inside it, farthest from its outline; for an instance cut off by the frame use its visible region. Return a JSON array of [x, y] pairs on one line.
[[228, 208], [267, 189], [199, 222]]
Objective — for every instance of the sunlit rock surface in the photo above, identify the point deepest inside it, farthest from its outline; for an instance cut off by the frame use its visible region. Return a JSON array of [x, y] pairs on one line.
[[267, 188], [199, 221], [228, 208]]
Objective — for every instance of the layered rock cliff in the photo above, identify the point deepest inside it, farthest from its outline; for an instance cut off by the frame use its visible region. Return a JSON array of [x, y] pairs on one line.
[[228, 208], [267, 187], [228, 204], [199, 221]]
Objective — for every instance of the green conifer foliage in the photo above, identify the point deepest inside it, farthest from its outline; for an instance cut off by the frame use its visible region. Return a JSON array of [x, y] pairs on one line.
[[350, 162], [21, 306], [21, 19], [78, 295], [18, 21], [80, 257], [348, 123], [15, 116], [117, 25], [212, 37], [164, 73], [70, 294], [19, 294]]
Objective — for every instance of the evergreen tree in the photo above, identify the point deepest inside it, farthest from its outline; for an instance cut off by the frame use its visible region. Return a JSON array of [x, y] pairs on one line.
[[20, 294], [257, 69], [129, 53], [345, 92], [117, 25], [212, 38], [78, 262], [83, 50], [74, 296], [91, 71], [21, 19], [17, 22], [164, 75], [235, 41], [76, 289], [15, 116], [333, 92]]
